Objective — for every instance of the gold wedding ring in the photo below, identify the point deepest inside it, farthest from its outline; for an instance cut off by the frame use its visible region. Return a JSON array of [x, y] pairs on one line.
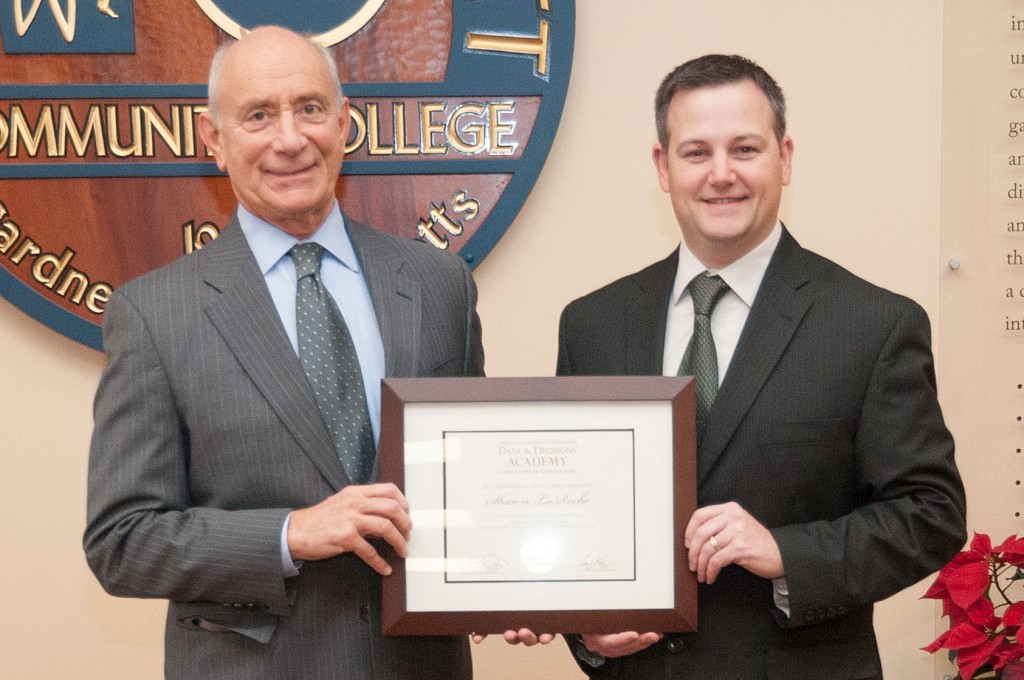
[[714, 543]]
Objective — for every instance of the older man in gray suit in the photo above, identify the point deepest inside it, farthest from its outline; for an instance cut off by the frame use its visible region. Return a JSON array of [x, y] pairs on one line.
[[214, 478]]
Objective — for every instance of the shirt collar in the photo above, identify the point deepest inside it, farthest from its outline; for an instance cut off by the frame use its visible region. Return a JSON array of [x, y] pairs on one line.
[[743, 276], [269, 244]]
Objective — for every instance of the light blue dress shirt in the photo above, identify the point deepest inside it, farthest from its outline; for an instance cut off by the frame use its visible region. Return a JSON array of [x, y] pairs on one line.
[[342, 275]]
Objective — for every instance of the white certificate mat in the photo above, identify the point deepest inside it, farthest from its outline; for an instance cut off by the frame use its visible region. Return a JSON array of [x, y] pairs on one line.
[[524, 506]]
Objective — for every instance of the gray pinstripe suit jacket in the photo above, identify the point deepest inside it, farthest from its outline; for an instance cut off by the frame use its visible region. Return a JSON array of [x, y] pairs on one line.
[[828, 431], [207, 433]]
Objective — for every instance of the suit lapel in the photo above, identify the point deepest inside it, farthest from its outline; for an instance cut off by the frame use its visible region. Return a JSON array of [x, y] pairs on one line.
[[776, 314], [241, 309], [646, 317], [396, 298], [396, 301]]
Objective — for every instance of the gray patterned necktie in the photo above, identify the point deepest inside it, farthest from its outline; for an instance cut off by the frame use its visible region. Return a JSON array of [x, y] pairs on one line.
[[329, 359], [701, 359]]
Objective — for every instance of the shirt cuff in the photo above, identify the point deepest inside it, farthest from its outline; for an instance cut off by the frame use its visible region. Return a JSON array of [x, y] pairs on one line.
[[780, 592], [592, 659], [289, 567]]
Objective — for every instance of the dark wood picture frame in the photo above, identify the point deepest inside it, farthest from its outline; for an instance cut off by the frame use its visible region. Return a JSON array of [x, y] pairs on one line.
[[678, 392]]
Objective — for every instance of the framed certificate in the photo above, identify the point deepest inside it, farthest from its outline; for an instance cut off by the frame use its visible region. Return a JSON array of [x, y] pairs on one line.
[[555, 504]]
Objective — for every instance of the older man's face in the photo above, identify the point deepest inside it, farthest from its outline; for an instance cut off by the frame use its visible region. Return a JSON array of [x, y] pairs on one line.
[[281, 134]]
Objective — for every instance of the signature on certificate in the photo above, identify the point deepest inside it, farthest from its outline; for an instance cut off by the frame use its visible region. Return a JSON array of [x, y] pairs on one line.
[[485, 564], [598, 564]]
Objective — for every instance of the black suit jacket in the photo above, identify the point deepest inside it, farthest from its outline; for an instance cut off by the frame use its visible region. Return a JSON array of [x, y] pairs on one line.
[[208, 433], [827, 430]]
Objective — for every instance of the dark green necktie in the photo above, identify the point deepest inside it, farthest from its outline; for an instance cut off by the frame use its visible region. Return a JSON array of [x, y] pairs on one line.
[[701, 359], [329, 359]]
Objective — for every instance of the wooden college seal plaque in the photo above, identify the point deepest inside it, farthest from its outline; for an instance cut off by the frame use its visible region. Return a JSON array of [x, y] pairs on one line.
[[454, 106]]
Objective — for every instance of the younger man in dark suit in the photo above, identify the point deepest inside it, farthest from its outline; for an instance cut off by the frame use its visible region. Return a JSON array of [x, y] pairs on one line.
[[222, 473], [825, 472]]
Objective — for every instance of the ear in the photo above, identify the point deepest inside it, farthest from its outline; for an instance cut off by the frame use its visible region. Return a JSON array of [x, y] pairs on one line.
[[660, 157], [787, 160], [210, 134], [344, 120]]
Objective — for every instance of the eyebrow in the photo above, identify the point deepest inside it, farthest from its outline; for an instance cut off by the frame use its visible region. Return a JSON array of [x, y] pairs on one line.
[[738, 138], [752, 137], [266, 102], [255, 104]]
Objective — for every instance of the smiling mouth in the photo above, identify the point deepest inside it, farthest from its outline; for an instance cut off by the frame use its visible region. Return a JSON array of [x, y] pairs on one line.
[[285, 174], [728, 200]]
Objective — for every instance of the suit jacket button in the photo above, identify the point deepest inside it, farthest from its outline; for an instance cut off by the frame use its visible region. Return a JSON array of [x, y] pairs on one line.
[[675, 645], [364, 613]]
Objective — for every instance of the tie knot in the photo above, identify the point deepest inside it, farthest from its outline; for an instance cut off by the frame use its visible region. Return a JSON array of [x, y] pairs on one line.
[[706, 292], [307, 258]]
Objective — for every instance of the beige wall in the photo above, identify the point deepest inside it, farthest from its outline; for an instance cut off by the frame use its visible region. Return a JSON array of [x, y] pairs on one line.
[[864, 87]]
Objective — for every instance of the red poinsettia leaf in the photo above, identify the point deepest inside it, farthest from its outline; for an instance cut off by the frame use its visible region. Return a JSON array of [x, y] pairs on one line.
[[983, 614], [937, 590], [937, 644], [963, 586], [968, 583], [970, 659], [1008, 656], [955, 613], [1013, 544], [1013, 615], [1012, 551], [962, 558], [965, 636], [981, 544]]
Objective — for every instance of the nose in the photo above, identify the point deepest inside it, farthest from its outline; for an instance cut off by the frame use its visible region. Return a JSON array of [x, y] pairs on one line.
[[721, 170], [290, 137]]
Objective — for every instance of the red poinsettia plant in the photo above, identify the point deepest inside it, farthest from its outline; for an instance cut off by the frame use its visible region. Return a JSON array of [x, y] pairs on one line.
[[981, 591]]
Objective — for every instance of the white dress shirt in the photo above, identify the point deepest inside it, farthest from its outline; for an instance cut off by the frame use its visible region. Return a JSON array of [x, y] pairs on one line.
[[729, 315]]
